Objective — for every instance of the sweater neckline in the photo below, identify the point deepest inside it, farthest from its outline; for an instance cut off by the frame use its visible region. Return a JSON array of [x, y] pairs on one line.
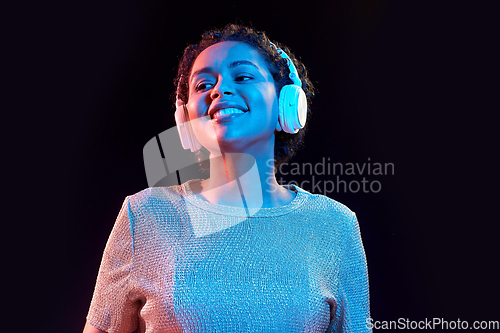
[[189, 196]]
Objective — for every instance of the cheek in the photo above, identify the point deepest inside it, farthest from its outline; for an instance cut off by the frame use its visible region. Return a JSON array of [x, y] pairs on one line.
[[270, 92], [203, 129], [196, 107], [270, 97], [267, 98]]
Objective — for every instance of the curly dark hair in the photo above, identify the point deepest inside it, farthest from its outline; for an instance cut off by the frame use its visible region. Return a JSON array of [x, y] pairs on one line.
[[286, 145]]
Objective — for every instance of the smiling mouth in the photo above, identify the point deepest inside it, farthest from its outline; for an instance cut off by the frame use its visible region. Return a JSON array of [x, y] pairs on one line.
[[225, 112]]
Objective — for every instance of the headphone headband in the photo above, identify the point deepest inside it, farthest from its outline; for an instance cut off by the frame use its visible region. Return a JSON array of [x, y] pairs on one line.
[[178, 102], [294, 75]]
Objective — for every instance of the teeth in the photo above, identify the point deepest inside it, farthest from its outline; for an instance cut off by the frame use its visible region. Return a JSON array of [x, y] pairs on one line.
[[223, 112]]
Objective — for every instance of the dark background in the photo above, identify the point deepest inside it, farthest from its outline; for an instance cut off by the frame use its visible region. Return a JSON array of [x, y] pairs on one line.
[[398, 82]]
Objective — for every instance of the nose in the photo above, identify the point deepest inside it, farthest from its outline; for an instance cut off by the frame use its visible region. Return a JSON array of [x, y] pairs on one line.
[[223, 87]]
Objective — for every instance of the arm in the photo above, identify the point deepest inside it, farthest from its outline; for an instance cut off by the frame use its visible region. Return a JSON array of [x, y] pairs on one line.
[[355, 302], [111, 308]]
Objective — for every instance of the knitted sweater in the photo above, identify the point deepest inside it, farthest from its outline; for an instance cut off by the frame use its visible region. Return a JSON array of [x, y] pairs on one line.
[[177, 263]]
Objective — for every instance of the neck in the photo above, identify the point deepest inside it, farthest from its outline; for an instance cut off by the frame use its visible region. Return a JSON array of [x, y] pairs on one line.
[[243, 179]]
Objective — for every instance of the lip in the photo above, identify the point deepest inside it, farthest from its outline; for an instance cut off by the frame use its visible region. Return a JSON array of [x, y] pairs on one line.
[[221, 106], [227, 117]]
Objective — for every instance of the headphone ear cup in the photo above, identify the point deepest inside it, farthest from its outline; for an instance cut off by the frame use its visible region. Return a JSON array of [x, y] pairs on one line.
[[186, 133], [292, 108]]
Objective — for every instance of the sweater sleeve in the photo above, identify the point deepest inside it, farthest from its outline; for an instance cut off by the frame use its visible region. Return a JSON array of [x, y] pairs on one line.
[[111, 309], [354, 306]]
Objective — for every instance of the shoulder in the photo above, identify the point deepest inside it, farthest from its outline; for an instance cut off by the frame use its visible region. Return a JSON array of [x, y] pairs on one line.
[[152, 210], [325, 204], [153, 195], [329, 209], [153, 200]]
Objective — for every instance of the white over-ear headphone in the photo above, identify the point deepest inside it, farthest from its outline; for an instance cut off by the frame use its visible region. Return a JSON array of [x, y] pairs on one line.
[[186, 133], [292, 109], [293, 101]]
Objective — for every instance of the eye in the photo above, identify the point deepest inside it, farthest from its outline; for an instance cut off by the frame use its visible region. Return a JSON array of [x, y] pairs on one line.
[[242, 77], [203, 86]]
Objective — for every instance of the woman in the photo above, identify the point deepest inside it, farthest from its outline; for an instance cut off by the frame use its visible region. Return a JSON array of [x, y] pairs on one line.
[[236, 252]]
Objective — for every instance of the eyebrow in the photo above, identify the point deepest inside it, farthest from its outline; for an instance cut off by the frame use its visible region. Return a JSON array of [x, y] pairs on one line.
[[231, 66], [242, 62]]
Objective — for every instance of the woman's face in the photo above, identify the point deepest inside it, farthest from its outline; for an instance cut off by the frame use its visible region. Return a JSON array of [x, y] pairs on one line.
[[233, 78]]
